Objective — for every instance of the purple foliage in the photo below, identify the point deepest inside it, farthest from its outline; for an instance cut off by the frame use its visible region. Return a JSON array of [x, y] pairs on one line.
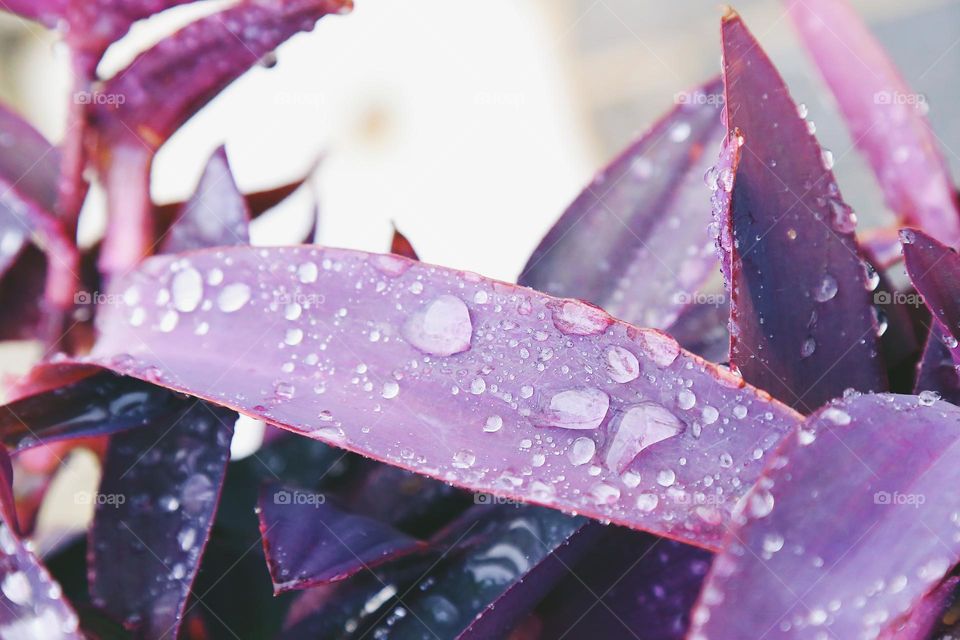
[[443, 450]]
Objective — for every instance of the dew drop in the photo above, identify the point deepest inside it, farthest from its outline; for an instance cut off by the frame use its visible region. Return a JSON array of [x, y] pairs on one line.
[[442, 328], [647, 502], [233, 297], [575, 317], [928, 398], [582, 450], [168, 322], [293, 337], [307, 272], [808, 347], [827, 289], [660, 347], [493, 424], [622, 365], [640, 426], [686, 399], [605, 494], [390, 389], [575, 409], [666, 477], [464, 459], [187, 289], [16, 587]]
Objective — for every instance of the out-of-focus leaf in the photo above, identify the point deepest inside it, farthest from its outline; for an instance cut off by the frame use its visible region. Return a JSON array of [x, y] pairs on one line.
[[401, 246], [163, 87], [885, 117], [94, 405], [309, 541], [635, 241], [791, 238], [882, 246], [923, 619], [625, 583], [479, 383], [157, 501], [216, 214], [862, 474], [31, 602], [23, 314], [702, 329]]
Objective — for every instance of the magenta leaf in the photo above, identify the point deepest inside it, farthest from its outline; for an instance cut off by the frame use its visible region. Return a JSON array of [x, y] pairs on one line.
[[216, 214], [792, 238], [163, 87], [157, 500], [99, 404], [885, 117], [401, 246], [460, 378], [862, 474], [627, 581], [309, 541], [635, 241]]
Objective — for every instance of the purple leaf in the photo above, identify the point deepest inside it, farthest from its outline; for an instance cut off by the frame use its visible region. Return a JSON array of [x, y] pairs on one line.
[[792, 240], [163, 87], [702, 329], [159, 494], [22, 311], [861, 475], [97, 404], [457, 377], [885, 117], [635, 242], [216, 214], [627, 581], [934, 270], [308, 541]]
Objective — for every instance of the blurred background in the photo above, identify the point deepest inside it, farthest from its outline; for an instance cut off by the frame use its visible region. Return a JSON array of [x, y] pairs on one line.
[[472, 124], [469, 124]]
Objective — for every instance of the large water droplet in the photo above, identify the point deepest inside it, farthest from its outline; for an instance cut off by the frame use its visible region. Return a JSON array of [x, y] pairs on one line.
[[622, 365], [582, 450], [464, 459], [442, 328], [647, 502], [637, 428], [233, 297], [575, 409], [827, 288], [390, 389], [659, 347], [16, 587], [187, 289], [575, 317], [307, 272]]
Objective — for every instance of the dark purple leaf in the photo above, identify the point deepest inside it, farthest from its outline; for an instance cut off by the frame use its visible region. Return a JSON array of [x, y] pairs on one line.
[[937, 370], [158, 496], [510, 608], [163, 87], [490, 549], [635, 241], [934, 270], [401, 246], [626, 583], [22, 310], [886, 119], [923, 619], [847, 530], [216, 214], [98, 404], [791, 240], [309, 541], [479, 383]]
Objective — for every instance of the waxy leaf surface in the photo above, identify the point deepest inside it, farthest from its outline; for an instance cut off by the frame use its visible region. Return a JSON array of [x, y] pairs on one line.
[[471, 381], [790, 241]]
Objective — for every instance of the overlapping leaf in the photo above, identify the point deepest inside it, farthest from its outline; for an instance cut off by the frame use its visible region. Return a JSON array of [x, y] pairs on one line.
[[635, 241], [159, 493], [790, 239], [861, 475], [885, 117]]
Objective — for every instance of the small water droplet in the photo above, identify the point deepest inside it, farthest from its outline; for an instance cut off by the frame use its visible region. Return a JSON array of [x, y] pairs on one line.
[[666, 477], [575, 409], [390, 389], [233, 297], [928, 398], [808, 347], [647, 502], [493, 424], [827, 289], [464, 459], [686, 399], [622, 365], [307, 272], [582, 451], [443, 327], [187, 289]]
